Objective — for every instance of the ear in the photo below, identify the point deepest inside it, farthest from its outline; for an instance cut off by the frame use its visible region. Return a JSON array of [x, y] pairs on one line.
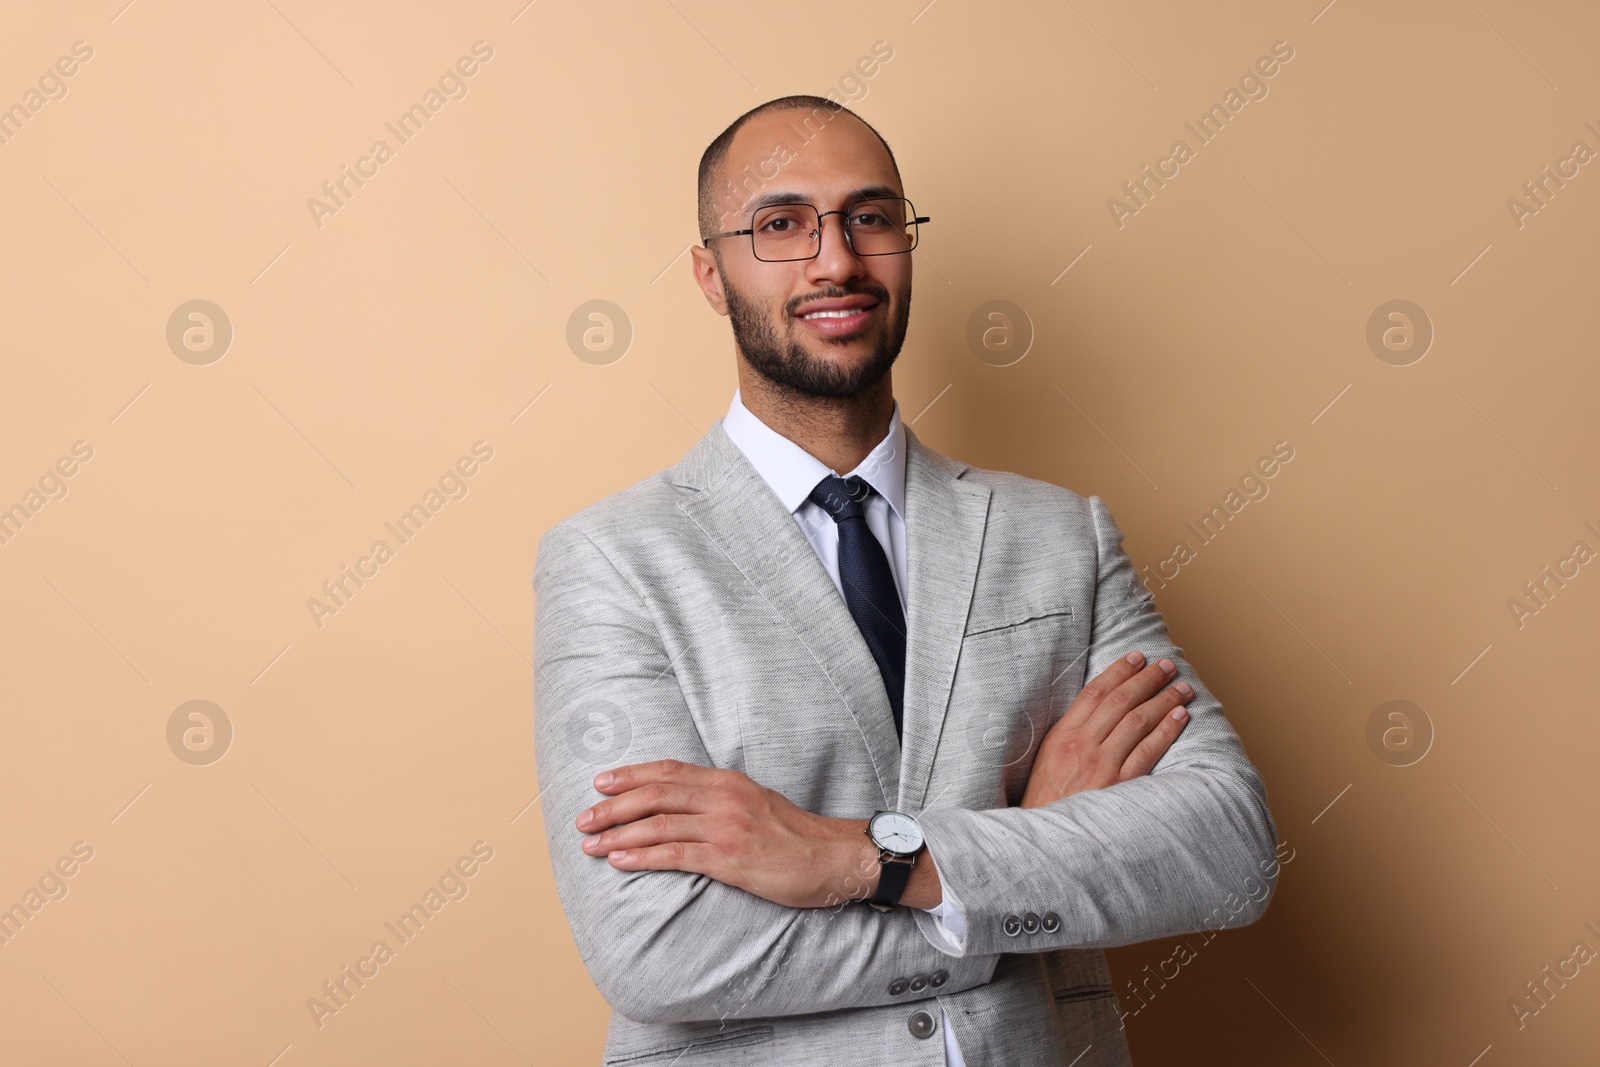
[[708, 276]]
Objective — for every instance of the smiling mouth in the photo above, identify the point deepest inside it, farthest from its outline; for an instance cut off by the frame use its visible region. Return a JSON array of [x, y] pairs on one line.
[[841, 314], [839, 322]]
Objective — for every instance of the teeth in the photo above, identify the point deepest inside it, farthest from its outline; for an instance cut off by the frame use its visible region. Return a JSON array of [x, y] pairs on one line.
[[832, 314]]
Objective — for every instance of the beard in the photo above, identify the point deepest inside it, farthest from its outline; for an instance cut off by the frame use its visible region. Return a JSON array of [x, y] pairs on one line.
[[786, 363]]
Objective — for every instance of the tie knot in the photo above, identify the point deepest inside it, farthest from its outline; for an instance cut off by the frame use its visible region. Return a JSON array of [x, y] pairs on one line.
[[843, 498]]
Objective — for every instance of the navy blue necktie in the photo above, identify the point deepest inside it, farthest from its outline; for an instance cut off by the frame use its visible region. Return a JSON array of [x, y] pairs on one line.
[[869, 587]]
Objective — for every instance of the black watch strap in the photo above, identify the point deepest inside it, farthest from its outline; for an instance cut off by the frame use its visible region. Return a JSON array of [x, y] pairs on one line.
[[892, 878]]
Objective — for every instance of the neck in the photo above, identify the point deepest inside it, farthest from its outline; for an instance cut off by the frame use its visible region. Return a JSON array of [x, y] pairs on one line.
[[838, 430]]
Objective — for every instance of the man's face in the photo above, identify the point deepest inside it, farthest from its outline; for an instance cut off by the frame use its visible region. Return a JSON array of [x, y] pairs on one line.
[[774, 306]]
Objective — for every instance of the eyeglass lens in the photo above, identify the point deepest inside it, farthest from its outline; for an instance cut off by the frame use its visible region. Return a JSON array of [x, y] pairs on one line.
[[794, 231]]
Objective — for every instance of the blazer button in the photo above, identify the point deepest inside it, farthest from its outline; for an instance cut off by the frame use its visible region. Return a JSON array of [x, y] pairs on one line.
[[898, 986], [1011, 925], [1030, 923], [938, 978], [919, 983], [920, 1024], [1050, 923]]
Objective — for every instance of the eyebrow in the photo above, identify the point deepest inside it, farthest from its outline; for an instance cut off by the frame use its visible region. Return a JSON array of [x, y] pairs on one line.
[[871, 192]]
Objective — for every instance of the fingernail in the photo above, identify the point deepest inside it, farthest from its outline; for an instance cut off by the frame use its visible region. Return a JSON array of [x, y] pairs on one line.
[[584, 819], [1168, 666], [603, 780], [1180, 713], [591, 841], [1134, 658], [619, 854], [1184, 687]]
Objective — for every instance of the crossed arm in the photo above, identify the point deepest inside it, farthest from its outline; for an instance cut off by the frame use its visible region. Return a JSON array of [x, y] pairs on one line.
[[1157, 854], [667, 815], [668, 945]]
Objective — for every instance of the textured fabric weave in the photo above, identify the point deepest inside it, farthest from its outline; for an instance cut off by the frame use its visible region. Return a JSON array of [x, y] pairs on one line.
[[688, 617]]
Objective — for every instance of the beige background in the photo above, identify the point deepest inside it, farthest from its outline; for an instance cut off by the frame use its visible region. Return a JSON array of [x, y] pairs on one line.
[[430, 312]]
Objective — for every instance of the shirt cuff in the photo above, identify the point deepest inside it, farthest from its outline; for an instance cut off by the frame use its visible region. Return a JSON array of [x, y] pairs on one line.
[[949, 919]]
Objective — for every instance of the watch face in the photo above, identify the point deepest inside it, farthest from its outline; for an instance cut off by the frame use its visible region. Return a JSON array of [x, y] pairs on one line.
[[895, 832]]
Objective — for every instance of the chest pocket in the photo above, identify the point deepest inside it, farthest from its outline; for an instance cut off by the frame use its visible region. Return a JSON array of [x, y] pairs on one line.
[[1013, 681], [1010, 615], [1038, 641]]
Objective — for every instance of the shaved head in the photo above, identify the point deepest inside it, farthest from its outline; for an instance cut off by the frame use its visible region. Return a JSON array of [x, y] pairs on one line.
[[722, 197]]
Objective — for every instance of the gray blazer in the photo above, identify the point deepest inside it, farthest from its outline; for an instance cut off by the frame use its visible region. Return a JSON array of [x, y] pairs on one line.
[[687, 617]]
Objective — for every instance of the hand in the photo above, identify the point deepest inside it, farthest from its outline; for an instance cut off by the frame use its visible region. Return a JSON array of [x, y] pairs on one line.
[[1116, 729], [675, 816]]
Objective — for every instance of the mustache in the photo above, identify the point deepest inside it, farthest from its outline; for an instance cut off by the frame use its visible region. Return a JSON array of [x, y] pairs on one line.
[[794, 306]]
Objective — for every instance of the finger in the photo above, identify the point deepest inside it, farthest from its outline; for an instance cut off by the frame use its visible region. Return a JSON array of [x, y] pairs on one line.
[[653, 830], [1137, 723], [1127, 696], [694, 857], [640, 803], [1147, 753], [635, 775], [1099, 687]]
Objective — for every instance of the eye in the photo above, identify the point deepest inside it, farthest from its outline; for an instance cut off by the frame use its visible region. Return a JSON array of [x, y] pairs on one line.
[[784, 222]]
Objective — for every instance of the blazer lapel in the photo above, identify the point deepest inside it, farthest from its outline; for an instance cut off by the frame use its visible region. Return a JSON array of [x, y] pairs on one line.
[[744, 521], [945, 521]]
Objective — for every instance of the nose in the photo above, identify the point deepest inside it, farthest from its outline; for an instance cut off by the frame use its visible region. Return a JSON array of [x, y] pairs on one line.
[[836, 261]]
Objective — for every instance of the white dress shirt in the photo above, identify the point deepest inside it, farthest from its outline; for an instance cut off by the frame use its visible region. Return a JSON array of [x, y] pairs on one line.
[[793, 473]]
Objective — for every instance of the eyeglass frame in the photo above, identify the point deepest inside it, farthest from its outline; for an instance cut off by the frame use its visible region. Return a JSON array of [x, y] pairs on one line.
[[914, 220]]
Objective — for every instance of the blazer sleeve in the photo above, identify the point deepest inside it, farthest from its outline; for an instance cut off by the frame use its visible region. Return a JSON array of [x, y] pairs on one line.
[[673, 946], [1191, 845]]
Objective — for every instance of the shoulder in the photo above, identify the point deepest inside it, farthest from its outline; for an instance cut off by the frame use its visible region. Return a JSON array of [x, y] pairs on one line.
[[1034, 507], [644, 512], [1032, 511], [649, 514]]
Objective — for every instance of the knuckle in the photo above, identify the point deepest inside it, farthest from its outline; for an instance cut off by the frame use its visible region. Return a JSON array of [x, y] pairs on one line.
[[670, 768]]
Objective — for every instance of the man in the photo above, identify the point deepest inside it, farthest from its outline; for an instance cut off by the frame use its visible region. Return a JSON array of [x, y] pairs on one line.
[[822, 778]]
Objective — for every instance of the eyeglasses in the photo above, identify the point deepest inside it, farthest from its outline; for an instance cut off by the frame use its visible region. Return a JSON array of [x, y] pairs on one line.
[[782, 233]]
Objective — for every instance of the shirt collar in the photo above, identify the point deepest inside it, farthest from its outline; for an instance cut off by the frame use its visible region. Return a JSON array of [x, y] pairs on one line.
[[793, 473]]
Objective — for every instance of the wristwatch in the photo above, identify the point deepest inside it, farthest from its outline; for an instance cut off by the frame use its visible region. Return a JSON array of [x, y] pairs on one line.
[[899, 839]]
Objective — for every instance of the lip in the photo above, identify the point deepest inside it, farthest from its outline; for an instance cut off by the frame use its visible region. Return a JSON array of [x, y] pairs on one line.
[[862, 309]]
